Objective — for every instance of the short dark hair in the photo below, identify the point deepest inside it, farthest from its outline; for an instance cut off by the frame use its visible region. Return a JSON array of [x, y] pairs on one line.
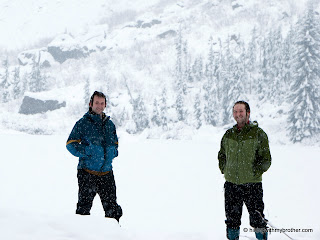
[[245, 104], [98, 94]]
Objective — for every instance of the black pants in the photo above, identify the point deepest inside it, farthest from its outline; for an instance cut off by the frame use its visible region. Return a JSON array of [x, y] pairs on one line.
[[252, 195], [89, 186]]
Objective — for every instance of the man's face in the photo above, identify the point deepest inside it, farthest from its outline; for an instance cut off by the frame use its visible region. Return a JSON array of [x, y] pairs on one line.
[[240, 114], [98, 105]]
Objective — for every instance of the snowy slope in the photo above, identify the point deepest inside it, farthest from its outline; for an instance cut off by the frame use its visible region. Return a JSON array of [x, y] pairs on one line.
[[130, 34], [168, 190]]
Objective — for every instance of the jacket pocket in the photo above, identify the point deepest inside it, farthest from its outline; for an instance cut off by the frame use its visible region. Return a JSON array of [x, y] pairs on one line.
[[111, 153], [95, 157]]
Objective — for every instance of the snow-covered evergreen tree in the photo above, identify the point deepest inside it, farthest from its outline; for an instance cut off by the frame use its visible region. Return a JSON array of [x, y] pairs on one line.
[[252, 51], [123, 118], [218, 74], [181, 71], [17, 88], [210, 96], [287, 53], [164, 109], [304, 118], [5, 82], [140, 115], [252, 61], [263, 83], [274, 77], [240, 71], [38, 80], [233, 83], [197, 70], [187, 71], [180, 107], [211, 88], [155, 119], [197, 112]]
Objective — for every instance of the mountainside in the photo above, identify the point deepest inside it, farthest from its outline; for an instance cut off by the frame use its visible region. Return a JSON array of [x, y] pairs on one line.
[[29, 21], [168, 67]]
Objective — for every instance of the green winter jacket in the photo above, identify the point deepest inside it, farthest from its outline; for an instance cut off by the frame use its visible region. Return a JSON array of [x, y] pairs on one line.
[[244, 154]]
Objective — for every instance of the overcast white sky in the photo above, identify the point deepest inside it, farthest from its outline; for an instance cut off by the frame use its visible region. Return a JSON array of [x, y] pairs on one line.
[[25, 22]]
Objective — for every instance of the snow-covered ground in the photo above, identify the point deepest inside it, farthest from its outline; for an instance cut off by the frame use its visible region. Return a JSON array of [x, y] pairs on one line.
[[168, 189]]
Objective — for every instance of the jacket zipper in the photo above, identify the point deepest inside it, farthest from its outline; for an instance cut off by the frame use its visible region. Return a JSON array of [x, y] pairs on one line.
[[104, 147]]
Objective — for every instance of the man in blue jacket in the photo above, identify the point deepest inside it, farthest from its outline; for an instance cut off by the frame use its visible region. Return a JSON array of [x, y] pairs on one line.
[[94, 140]]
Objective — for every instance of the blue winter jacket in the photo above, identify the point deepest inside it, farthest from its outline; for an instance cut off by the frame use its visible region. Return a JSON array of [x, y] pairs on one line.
[[94, 140]]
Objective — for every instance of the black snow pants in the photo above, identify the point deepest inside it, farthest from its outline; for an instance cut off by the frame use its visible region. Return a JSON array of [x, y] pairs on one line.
[[89, 186], [252, 195]]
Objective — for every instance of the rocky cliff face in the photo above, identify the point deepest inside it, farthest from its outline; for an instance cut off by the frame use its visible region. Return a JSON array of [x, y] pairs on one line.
[[41, 56], [33, 106], [65, 47]]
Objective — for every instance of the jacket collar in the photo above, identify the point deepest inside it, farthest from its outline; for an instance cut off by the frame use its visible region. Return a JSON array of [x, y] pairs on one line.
[[246, 127], [95, 117]]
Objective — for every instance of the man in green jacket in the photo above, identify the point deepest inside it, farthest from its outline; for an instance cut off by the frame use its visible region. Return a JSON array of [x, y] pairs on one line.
[[243, 157]]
